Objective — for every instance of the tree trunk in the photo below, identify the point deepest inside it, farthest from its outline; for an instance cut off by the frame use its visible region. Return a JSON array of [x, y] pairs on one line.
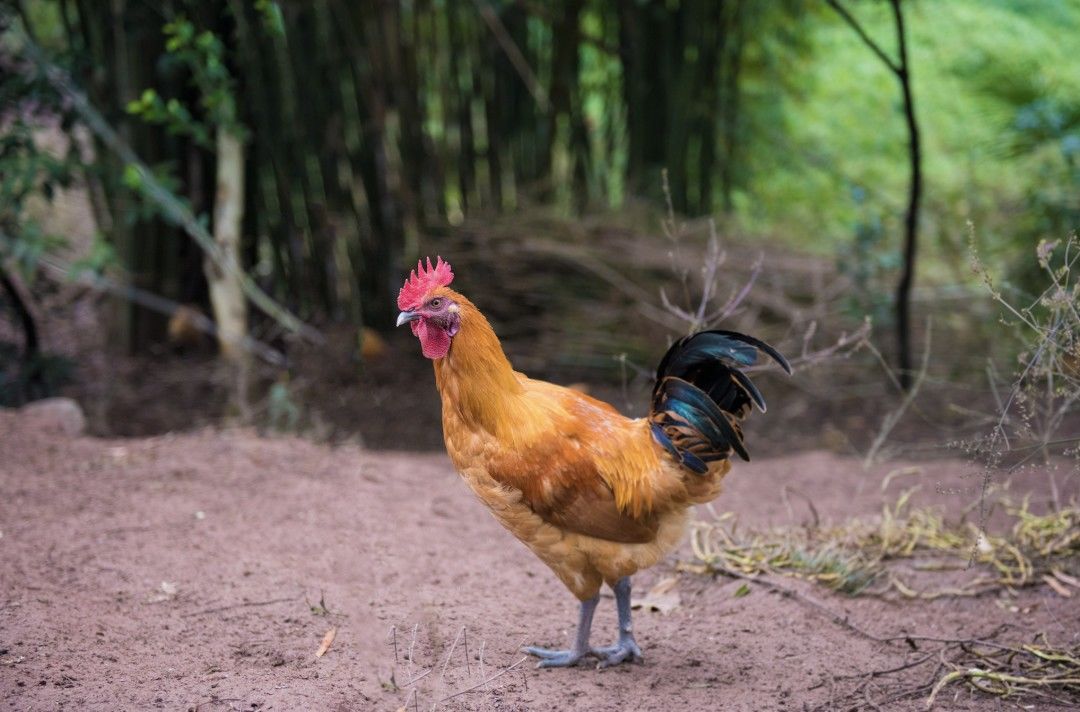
[[911, 220], [30, 379], [901, 69], [226, 293]]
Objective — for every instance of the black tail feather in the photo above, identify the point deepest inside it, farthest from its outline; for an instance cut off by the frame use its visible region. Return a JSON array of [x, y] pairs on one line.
[[701, 395]]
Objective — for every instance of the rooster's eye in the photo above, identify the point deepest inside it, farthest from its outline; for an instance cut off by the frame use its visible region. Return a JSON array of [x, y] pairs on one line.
[[435, 303]]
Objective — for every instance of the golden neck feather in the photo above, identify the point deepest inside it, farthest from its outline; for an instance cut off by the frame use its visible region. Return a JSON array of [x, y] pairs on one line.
[[475, 377]]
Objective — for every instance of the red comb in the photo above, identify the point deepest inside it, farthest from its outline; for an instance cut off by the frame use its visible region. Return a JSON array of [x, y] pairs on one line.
[[422, 280]]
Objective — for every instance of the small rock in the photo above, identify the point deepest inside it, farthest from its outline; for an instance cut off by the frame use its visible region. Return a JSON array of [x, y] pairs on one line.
[[54, 415]]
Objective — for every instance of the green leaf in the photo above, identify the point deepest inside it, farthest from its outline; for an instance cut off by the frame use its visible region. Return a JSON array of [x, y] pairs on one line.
[[132, 177], [273, 20], [742, 590], [101, 257]]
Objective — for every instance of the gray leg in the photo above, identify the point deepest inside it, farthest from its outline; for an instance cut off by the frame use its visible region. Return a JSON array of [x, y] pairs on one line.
[[627, 648], [580, 651]]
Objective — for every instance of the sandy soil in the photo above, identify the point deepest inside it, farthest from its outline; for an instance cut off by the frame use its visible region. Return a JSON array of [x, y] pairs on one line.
[[186, 572]]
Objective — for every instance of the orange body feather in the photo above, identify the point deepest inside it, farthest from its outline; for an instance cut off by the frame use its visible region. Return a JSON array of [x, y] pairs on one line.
[[588, 490]]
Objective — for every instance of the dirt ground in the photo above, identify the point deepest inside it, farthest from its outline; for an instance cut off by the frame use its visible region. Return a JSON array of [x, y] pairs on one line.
[[202, 571]]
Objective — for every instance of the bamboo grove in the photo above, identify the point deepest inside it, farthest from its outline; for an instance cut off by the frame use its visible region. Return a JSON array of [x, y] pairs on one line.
[[370, 126]]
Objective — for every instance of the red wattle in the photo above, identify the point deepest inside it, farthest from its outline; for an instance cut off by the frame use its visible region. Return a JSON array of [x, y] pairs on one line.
[[434, 341]]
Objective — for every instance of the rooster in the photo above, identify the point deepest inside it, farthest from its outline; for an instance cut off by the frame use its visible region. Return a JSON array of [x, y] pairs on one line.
[[595, 495]]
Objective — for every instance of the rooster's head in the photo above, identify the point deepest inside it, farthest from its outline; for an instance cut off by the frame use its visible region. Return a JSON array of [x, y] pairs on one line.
[[429, 307]]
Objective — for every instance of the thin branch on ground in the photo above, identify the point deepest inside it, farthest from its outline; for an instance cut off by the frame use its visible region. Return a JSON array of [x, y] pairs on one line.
[[245, 604], [485, 681]]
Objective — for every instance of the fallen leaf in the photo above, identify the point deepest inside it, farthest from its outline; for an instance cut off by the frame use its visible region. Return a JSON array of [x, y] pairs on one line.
[[1054, 584], [167, 592], [662, 597], [327, 641], [742, 590]]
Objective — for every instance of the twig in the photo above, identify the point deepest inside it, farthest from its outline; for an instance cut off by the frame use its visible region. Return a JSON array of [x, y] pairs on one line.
[[418, 678], [483, 644], [890, 671], [842, 621], [216, 701], [867, 40], [484, 682], [892, 418], [736, 299], [446, 663], [465, 642], [449, 655], [412, 644], [845, 344], [246, 604], [806, 498]]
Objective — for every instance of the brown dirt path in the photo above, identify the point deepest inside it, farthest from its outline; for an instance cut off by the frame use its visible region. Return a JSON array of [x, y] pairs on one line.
[[247, 534]]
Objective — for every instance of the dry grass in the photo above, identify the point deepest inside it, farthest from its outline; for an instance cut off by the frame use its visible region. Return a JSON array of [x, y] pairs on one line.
[[862, 556], [1034, 412], [1031, 670], [1021, 673], [856, 557]]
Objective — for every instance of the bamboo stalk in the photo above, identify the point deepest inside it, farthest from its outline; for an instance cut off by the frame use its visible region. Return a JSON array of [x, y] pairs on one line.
[[171, 207]]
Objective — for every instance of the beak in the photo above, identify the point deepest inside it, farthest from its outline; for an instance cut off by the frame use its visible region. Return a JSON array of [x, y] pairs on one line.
[[406, 316]]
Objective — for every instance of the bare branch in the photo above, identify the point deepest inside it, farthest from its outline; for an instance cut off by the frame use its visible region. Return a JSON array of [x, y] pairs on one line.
[[736, 299], [892, 418], [844, 345], [867, 40]]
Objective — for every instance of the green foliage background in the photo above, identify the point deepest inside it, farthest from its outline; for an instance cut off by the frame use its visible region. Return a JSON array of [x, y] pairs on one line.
[[375, 129], [977, 67]]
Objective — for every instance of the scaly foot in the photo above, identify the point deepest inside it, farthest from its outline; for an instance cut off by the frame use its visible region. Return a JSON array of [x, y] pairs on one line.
[[557, 658], [626, 650]]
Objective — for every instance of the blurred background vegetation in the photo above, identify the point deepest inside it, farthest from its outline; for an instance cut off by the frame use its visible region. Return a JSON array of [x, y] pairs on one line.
[[570, 159]]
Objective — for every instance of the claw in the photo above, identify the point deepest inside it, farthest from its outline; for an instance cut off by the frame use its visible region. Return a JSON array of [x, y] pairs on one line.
[[623, 651]]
